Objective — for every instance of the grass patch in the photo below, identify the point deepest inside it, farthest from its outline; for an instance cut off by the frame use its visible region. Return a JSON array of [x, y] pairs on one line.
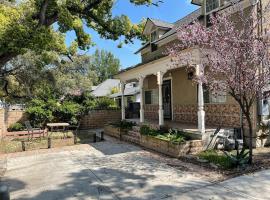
[[217, 158]]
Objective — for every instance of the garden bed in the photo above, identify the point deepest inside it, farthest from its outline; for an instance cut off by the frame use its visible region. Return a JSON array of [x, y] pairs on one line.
[[118, 129], [171, 148], [11, 145]]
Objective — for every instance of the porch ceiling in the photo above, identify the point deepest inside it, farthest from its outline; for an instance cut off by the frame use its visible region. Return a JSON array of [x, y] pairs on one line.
[[163, 64]]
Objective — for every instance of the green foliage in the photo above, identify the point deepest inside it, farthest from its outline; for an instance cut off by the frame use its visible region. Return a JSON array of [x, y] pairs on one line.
[[217, 158], [124, 125], [240, 159], [28, 25], [41, 112], [146, 130], [68, 111], [104, 64], [38, 112], [16, 127], [100, 103], [174, 136]]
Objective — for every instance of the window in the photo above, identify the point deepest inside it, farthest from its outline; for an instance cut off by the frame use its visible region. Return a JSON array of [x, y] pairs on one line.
[[154, 36], [154, 47], [148, 97], [211, 5], [213, 98]]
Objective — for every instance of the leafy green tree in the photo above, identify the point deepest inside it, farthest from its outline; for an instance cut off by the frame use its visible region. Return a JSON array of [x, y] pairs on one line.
[[73, 77], [27, 25], [105, 65]]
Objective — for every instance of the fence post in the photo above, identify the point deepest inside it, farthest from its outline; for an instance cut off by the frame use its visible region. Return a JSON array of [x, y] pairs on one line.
[[102, 135], [4, 193], [23, 145], [95, 138], [49, 143]]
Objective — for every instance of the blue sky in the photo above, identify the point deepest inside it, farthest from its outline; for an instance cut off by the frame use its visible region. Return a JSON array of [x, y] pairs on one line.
[[170, 10]]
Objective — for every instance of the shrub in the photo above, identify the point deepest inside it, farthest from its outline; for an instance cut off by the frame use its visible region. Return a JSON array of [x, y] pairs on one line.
[[38, 112], [171, 135], [126, 125], [100, 103], [16, 127], [68, 112], [216, 158], [41, 112]]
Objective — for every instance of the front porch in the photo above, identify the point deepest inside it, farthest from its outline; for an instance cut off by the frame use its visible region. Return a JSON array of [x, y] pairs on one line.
[[169, 97], [185, 127]]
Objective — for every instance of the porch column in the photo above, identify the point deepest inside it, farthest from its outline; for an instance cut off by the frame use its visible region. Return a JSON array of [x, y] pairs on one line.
[[160, 98], [201, 112], [141, 79], [123, 101]]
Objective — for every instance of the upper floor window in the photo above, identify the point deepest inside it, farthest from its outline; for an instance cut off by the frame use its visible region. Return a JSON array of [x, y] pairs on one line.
[[211, 5], [154, 36]]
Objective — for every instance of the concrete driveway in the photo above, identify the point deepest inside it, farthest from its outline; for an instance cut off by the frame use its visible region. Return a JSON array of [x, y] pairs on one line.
[[115, 170]]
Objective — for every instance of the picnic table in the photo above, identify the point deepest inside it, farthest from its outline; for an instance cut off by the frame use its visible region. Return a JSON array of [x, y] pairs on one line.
[[58, 127]]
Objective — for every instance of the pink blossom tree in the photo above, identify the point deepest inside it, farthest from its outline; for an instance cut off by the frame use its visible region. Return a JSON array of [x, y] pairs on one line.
[[234, 60]]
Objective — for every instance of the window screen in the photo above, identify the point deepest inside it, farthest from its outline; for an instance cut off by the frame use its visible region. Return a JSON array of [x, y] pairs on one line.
[[148, 97], [211, 5]]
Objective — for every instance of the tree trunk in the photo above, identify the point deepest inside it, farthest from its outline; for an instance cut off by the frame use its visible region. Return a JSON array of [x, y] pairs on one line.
[[250, 136]]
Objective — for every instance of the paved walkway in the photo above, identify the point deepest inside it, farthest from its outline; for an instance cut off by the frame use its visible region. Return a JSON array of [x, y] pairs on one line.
[[115, 170]]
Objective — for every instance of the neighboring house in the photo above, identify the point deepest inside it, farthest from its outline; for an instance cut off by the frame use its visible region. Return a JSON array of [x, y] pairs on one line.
[[131, 99], [169, 93], [105, 88], [111, 88]]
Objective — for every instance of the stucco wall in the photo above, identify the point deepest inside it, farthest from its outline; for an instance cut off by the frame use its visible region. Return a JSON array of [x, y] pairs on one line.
[[185, 106]]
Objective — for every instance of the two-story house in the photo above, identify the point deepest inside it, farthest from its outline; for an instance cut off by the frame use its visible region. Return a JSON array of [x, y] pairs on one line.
[[168, 93]]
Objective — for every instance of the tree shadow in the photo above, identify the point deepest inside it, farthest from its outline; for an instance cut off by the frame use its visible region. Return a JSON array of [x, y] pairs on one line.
[[112, 147]]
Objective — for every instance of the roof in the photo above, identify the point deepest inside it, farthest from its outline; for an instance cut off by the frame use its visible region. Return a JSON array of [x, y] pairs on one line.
[[161, 23], [197, 2], [128, 92], [173, 27], [182, 22], [105, 88]]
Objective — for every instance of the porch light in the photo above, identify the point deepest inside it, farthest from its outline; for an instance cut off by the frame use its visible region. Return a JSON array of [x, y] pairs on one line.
[[190, 75]]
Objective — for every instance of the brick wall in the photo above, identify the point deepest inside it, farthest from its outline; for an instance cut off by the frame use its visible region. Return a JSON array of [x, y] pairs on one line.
[[8, 117], [227, 115], [151, 112], [2, 122], [98, 118], [215, 114], [14, 116]]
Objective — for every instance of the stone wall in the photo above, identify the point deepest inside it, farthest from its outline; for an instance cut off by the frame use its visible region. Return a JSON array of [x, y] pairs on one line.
[[169, 148], [227, 115], [98, 118], [151, 112]]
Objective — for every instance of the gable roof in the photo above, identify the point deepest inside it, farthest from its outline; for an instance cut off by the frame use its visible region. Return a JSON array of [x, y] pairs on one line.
[[172, 28], [104, 88], [161, 23], [182, 22], [157, 23], [197, 2]]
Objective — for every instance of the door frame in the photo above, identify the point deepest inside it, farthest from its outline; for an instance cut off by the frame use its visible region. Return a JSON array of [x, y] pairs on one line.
[[170, 79]]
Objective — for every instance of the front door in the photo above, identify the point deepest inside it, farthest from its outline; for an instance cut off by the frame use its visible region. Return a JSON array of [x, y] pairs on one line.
[[167, 99]]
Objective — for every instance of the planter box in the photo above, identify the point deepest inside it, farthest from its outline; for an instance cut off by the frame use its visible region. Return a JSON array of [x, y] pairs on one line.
[[114, 131], [169, 148]]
